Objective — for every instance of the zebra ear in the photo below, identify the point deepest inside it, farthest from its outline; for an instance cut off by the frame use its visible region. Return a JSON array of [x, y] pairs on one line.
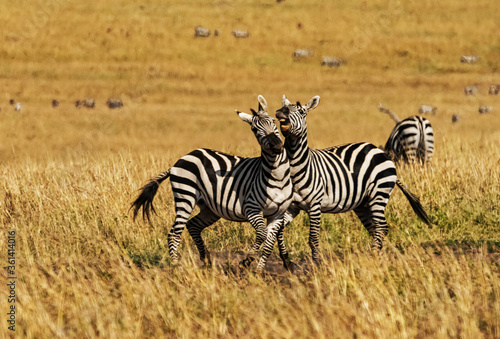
[[313, 103], [262, 104], [285, 102], [245, 117]]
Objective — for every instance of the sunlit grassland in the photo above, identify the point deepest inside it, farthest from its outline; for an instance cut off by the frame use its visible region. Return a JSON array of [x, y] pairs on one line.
[[68, 175]]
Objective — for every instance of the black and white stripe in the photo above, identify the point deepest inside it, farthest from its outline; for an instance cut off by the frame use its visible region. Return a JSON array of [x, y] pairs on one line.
[[411, 140], [358, 177], [229, 187]]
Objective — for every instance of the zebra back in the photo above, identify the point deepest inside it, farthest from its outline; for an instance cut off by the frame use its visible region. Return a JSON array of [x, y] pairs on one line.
[[411, 140]]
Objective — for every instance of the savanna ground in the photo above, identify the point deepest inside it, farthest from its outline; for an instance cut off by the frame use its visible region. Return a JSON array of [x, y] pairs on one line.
[[68, 175]]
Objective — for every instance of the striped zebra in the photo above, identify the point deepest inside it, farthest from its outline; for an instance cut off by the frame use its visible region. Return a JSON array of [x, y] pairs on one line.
[[411, 140], [357, 176], [229, 187]]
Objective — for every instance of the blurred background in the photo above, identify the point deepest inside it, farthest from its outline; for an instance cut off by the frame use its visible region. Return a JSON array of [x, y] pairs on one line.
[[179, 91]]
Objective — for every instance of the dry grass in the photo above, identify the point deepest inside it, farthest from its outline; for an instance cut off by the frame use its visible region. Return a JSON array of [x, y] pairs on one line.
[[67, 176]]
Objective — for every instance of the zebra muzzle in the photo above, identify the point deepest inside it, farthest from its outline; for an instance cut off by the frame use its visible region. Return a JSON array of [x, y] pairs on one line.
[[275, 144], [284, 124]]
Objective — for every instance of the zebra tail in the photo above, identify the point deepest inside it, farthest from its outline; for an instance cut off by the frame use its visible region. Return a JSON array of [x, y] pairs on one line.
[[145, 198], [415, 203], [422, 145]]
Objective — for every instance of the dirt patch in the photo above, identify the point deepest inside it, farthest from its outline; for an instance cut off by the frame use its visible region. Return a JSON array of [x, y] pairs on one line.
[[230, 263]]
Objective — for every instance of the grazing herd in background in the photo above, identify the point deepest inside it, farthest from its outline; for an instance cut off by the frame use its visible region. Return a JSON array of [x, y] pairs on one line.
[[112, 103], [280, 183]]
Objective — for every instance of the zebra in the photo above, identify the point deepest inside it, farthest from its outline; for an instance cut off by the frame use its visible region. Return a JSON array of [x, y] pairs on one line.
[[469, 90], [411, 140], [229, 187], [201, 32], [332, 62], [88, 103], [114, 103], [18, 107], [426, 109], [302, 53], [239, 34], [469, 59], [356, 176], [485, 109]]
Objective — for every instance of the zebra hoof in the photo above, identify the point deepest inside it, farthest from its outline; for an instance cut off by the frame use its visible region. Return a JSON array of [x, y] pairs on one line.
[[290, 266]]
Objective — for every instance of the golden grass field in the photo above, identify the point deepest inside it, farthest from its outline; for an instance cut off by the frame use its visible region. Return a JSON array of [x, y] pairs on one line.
[[68, 175]]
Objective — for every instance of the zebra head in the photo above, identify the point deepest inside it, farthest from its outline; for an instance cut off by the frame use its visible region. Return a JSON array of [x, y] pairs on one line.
[[264, 128], [292, 117]]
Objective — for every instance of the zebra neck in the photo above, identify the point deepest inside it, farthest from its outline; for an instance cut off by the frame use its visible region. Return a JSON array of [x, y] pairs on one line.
[[298, 149], [275, 164]]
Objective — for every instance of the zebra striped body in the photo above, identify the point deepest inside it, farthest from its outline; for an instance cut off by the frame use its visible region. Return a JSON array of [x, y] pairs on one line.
[[229, 187], [411, 140], [339, 178], [358, 177]]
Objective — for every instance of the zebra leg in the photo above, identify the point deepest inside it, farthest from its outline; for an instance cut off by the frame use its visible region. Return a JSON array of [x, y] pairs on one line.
[[174, 238], [314, 220], [195, 226], [273, 228], [183, 209], [373, 218], [256, 219], [282, 248], [292, 212]]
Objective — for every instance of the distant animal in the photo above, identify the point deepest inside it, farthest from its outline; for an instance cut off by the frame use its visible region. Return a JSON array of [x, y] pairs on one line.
[[18, 107], [55, 103], [229, 187], [469, 59], [485, 109], [87, 103], [332, 62], [411, 140], [12, 101], [455, 118], [216, 32], [201, 32], [114, 103], [355, 177], [469, 90], [494, 89], [302, 53], [241, 34], [426, 109]]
